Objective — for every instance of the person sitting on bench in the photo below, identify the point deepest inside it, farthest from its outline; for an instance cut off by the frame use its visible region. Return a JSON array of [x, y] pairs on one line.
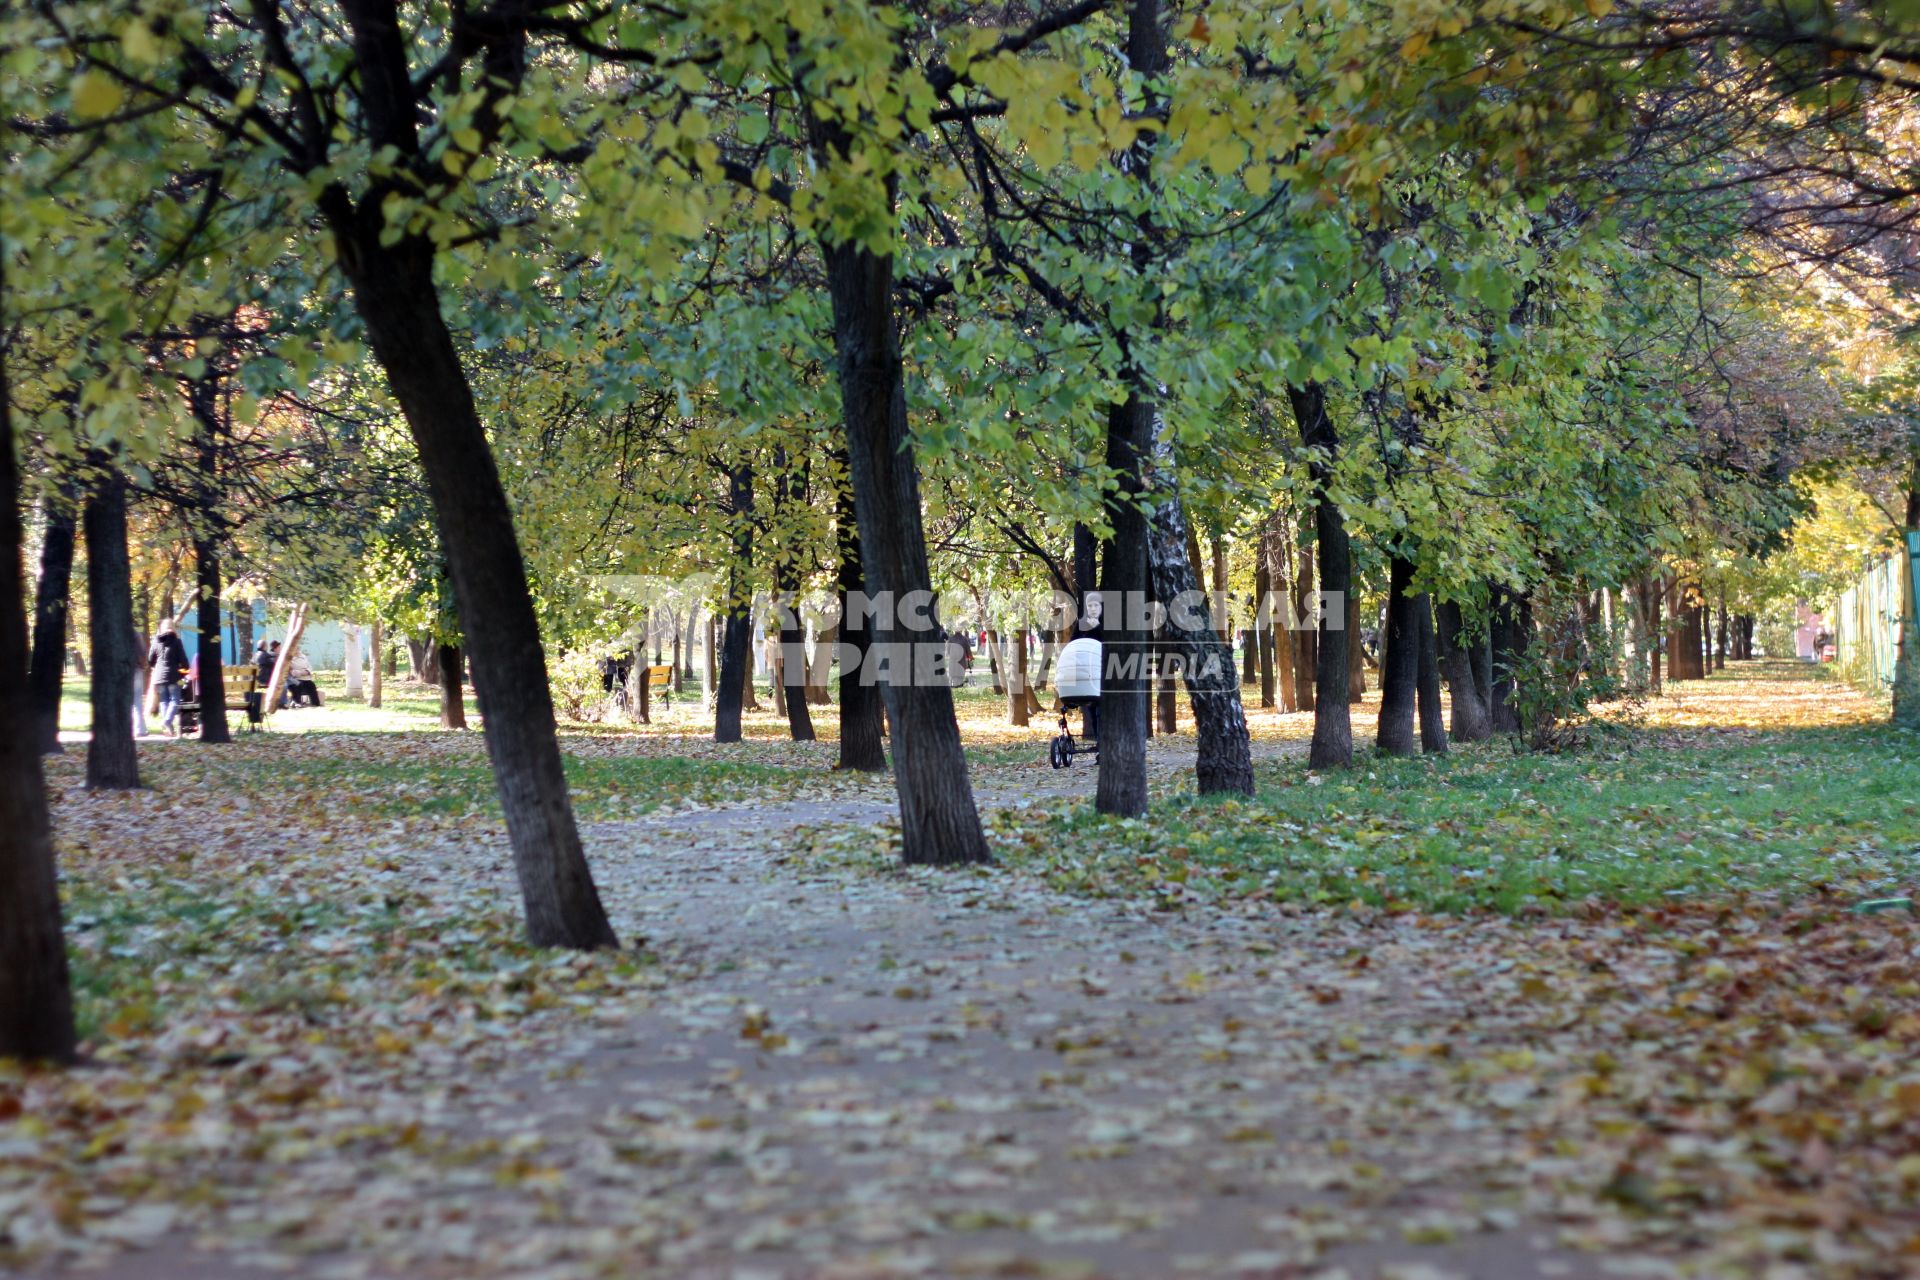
[[301, 690]]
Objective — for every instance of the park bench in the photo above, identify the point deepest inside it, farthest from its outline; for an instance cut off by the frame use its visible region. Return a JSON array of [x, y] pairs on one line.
[[241, 685]]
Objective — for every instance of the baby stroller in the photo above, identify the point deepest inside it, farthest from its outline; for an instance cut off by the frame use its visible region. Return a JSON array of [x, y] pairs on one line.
[[1078, 681]]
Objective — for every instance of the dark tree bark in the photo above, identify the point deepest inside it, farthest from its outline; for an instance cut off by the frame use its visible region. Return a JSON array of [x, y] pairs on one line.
[[792, 672], [737, 632], [639, 686], [423, 661], [453, 700], [1306, 643], [1433, 728], [203, 396], [395, 294], [1224, 758], [1017, 704], [1126, 638], [112, 763], [1655, 598], [1685, 651], [862, 718], [212, 693], [1126, 579], [1720, 652], [1262, 635], [939, 823], [1332, 723], [51, 595], [1472, 721], [36, 1000], [1399, 663], [1277, 553]]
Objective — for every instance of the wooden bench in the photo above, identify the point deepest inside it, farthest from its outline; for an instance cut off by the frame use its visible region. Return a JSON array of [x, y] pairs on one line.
[[241, 686]]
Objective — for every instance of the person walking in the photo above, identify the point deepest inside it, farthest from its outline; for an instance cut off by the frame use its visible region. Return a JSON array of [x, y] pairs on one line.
[[168, 658]]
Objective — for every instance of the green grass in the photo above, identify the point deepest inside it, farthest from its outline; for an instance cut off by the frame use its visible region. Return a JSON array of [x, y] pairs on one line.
[[1814, 810]]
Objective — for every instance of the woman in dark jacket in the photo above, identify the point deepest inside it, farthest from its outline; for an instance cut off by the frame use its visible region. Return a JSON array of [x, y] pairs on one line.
[[168, 658]]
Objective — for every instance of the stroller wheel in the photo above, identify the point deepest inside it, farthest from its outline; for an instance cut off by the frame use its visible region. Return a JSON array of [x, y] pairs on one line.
[[1058, 754]]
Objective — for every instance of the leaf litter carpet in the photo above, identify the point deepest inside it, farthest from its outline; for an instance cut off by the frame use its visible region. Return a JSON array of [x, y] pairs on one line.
[[827, 1069]]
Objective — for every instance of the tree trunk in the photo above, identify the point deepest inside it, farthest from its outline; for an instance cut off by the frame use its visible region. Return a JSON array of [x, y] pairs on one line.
[[277, 681], [1277, 553], [792, 672], [399, 304], [1127, 642], [736, 657], [820, 664], [1356, 652], [1086, 575], [1332, 724], [862, 719], [640, 685], [1685, 659], [1224, 763], [993, 662], [240, 618], [112, 763], [1265, 619], [1222, 602], [1306, 643], [1433, 729], [1472, 721], [1399, 663], [1655, 599], [36, 1001], [379, 647], [790, 666], [1167, 696], [203, 395], [351, 661], [1508, 645], [710, 668], [52, 592], [939, 823], [1720, 651], [674, 678], [1019, 702], [453, 699], [212, 693], [686, 653]]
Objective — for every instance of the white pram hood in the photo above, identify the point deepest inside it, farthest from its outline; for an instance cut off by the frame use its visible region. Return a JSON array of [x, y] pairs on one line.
[[1079, 669]]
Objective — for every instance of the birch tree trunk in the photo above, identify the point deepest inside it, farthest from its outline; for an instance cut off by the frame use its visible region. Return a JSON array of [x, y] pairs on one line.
[[277, 683], [1224, 756]]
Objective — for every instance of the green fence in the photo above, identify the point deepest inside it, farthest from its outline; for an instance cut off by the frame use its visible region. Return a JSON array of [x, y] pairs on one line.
[[1866, 621]]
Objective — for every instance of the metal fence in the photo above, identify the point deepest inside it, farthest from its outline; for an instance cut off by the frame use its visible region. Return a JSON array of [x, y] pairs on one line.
[[1866, 621]]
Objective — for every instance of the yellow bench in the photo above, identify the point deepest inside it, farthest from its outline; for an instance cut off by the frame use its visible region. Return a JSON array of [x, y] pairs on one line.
[[241, 686]]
